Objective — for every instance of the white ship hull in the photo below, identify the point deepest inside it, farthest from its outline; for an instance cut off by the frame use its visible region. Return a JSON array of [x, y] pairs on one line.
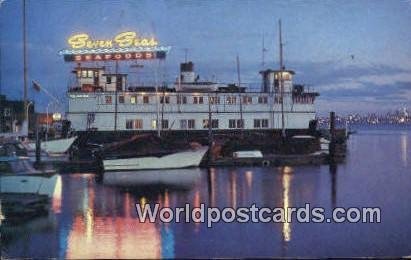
[[190, 158], [58, 146]]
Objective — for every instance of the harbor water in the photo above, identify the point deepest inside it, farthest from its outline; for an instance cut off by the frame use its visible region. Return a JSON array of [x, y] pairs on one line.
[[94, 216]]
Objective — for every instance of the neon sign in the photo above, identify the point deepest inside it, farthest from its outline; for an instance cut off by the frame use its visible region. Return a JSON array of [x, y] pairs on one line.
[[122, 40], [124, 46]]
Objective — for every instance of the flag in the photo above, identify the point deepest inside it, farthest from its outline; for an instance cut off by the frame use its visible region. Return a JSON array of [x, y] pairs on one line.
[[36, 86]]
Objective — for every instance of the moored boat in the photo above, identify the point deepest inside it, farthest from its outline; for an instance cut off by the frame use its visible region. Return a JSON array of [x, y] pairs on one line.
[[184, 159]]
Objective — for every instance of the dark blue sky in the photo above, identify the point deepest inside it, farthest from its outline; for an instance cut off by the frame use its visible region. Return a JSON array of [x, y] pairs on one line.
[[320, 37]]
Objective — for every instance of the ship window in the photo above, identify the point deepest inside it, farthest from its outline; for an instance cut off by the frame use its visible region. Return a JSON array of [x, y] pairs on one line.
[[108, 79], [231, 100], [198, 100], [247, 100], [133, 99], [214, 100], [164, 124], [231, 123], [90, 74], [262, 100], [164, 99], [181, 100], [257, 123], [191, 124], [121, 99], [183, 124], [240, 123], [108, 100], [138, 124], [129, 124], [214, 123], [264, 123], [146, 99], [154, 124]]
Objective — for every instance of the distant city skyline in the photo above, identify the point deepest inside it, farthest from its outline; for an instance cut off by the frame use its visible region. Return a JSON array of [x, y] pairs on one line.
[[357, 54]]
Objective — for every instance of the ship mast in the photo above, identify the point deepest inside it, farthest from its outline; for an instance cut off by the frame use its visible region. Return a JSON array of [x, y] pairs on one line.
[[239, 89], [281, 79]]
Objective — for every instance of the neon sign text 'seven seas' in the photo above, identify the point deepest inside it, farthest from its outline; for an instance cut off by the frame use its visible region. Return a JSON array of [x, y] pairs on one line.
[[122, 40]]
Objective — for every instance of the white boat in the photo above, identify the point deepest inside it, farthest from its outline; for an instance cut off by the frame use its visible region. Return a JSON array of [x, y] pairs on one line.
[[57, 146], [248, 154], [183, 178], [189, 158], [19, 184]]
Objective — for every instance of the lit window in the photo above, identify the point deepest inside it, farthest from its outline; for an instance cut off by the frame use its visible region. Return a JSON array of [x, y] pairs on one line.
[[133, 99], [84, 73], [108, 100], [154, 124], [90, 74], [121, 99], [146, 99]]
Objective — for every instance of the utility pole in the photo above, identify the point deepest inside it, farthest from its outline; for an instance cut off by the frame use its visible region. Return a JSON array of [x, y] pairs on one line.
[[281, 80], [24, 58]]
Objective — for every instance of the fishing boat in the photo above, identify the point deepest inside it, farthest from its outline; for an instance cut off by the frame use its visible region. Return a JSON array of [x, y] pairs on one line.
[[184, 159]]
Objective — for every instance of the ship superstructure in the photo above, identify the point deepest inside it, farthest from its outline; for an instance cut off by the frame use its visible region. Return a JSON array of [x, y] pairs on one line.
[[106, 102]]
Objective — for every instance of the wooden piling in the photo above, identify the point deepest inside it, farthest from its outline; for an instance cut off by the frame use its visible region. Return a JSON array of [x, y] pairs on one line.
[[332, 136]]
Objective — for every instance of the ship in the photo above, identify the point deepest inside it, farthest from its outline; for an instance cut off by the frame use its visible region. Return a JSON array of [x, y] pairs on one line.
[[104, 104]]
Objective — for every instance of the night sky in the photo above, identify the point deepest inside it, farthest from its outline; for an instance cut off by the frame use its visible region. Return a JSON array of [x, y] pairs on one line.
[[357, 54]]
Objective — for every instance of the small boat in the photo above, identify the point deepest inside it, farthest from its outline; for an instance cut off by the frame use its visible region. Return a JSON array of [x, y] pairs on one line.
[[248, 154], [182, 178], [51, 147], [25, 184], [185, 159]]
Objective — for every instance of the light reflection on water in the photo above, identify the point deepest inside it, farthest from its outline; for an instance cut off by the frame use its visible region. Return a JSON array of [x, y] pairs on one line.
[[94, 218]]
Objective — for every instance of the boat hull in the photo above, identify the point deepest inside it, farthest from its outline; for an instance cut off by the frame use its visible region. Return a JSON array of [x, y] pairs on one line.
[[58, 146], [29, 185], [186, 159], [182, 178]]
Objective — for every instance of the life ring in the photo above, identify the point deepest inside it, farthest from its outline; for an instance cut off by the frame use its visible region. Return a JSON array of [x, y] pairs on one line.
[[266, 163]]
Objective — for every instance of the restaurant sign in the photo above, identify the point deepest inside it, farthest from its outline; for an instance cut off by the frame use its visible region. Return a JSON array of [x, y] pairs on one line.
[[124, 46]]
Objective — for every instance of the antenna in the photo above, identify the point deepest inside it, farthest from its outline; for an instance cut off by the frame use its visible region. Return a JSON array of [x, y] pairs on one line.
[[185, 54], [263, 50]]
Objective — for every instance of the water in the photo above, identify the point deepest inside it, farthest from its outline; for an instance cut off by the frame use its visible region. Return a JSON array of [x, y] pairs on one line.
[[91, 218]]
